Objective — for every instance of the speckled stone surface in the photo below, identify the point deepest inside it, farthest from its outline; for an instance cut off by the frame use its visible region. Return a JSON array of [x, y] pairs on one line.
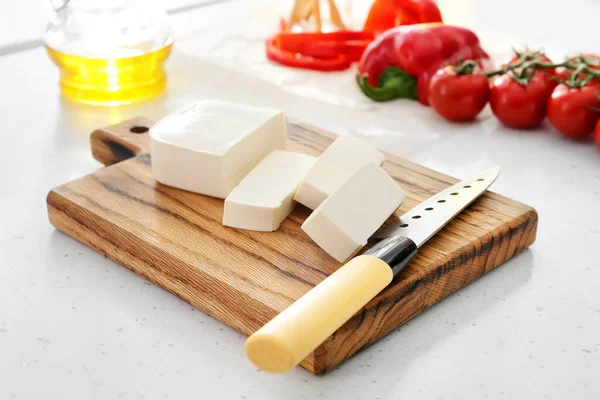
[[75, 325]]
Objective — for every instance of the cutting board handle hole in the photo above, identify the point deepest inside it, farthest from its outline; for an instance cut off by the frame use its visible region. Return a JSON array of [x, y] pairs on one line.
[[139, 129]]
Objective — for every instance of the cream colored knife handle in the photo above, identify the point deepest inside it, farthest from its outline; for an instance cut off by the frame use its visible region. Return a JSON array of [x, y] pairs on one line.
[[289, 337]]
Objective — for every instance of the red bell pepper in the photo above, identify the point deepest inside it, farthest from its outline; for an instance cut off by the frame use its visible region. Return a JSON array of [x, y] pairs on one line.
[[386, 14], [400, 62]]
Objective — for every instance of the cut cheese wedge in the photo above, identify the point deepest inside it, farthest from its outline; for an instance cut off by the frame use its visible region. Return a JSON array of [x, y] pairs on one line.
[[343, 223], [334, 167], [209, 146], [264, 197]]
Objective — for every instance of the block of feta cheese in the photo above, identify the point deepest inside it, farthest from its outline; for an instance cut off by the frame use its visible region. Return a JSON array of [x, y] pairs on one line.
[[209, 146], [334, 167], [264, 197], [343, 223]]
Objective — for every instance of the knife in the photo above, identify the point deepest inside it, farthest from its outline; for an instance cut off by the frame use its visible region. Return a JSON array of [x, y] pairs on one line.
[[289, 337]]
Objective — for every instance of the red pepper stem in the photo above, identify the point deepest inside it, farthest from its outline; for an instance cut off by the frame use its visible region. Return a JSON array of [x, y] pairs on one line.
[[394, 83]]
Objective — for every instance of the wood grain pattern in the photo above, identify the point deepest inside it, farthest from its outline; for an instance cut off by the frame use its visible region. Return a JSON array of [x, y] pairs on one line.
[[176, 240], [121, 141]]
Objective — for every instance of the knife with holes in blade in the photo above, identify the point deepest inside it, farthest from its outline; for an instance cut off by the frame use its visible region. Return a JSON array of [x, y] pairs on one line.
[[289, 337]]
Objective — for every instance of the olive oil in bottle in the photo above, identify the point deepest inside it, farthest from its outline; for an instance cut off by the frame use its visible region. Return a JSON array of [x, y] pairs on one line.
[[109, 53]]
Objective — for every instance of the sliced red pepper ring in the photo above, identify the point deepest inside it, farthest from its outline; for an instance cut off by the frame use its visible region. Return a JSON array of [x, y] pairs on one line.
[[331, 51], [353, 49], [289, 38], [338, 62], [326, 45]]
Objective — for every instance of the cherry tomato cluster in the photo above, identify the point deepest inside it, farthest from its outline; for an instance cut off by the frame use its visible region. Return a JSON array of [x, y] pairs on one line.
[[523, 92]]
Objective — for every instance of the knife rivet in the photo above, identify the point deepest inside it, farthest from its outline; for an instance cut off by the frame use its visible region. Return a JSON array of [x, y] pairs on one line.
[[453, 194], [416, 217], [429, 209], [403, 225], [480, 180], [441, 201], [466, 187]]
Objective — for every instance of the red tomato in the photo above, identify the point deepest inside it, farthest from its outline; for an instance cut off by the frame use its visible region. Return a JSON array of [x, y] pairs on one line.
[[561, 73], [520, 106], [458, 97], [550, 75], [597, 133], [571, 110]]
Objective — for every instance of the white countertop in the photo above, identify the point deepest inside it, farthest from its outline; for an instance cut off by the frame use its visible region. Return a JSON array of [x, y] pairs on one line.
[[75, 325]]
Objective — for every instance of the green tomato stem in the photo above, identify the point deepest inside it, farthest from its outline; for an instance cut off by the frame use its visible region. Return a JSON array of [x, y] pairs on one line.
[[527, 68]]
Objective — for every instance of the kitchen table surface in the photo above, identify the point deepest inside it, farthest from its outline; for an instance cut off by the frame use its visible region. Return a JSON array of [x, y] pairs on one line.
[[75, 325]]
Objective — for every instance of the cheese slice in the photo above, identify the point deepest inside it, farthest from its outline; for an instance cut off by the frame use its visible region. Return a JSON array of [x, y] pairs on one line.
[[334, 167], [343, 223], [264, 197], [209, 146]]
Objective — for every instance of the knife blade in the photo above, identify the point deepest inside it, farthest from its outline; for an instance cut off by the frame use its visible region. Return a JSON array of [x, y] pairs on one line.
[[289, 337], [438, 210]]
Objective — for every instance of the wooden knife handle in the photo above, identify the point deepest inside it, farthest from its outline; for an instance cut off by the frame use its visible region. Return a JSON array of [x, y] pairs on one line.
[[116, 143], [289, 337]]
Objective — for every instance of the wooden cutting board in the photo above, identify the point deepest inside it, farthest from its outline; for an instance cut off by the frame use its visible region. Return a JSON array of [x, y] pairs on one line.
[[176, 240]]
